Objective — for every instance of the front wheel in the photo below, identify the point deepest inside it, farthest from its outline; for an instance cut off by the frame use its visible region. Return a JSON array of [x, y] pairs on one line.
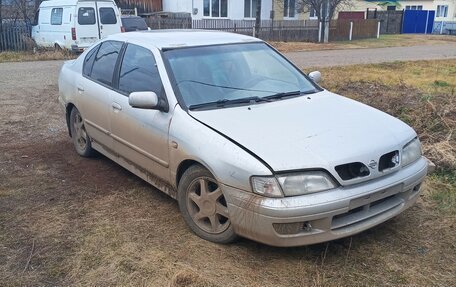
[[79, 135], [204, 207]]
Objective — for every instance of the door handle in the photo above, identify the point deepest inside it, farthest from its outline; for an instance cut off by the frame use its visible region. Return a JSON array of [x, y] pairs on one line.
[[80, 89], [116, 106]]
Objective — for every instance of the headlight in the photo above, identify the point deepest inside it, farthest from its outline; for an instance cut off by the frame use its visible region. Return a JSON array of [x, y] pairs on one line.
[[266, 186], [306, 182], [411, 152]]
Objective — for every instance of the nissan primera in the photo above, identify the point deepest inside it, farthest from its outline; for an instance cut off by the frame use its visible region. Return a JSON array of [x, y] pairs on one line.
[[248, 144]]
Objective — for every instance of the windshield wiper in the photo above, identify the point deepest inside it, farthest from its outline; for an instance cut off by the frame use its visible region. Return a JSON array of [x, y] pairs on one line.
[[225, 102], [289, 94]]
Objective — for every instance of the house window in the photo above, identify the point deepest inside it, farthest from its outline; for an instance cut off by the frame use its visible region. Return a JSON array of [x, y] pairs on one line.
[[215, 8], [289, 8], [250, 8], [442, 11], [414, 7], [312, 13], [56, 16], [391, 8]]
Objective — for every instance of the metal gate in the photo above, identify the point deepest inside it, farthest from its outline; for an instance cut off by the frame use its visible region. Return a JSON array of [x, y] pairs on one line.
[[418, 21]]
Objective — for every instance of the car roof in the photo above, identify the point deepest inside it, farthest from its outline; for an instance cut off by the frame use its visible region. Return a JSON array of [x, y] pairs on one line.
[[163, 39], [58, 3]]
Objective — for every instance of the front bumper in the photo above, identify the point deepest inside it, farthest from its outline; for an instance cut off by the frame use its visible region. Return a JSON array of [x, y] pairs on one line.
[[324, 216]]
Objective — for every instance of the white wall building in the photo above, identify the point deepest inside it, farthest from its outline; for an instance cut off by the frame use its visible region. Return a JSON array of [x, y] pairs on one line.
[[232, 9], [445, 10]]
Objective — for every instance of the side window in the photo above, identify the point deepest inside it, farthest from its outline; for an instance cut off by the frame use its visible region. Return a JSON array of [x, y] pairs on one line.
[[105, 62], [56, 16], [139, 71], [86, 16], [88, 61], [107, 16]]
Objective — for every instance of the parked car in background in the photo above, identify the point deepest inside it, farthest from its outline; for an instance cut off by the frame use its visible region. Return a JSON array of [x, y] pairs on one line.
[[74, 24], [247, 143], [133, 23]]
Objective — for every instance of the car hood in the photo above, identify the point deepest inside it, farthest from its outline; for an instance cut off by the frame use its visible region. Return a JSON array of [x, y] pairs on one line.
[[320, 130]]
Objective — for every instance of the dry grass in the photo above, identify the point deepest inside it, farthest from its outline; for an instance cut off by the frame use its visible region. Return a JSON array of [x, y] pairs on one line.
[[37, 56], [402, 40], [93, 223]]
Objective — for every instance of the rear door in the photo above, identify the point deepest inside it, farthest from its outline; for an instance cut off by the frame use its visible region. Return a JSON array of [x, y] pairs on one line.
[[86, 23], [109, 19], [95, 91]]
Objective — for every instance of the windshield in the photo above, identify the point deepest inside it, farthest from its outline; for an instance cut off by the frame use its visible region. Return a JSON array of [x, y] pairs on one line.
[[216, 76]]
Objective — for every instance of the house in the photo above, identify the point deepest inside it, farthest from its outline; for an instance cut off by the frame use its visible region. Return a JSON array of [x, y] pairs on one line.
[[235, 9], [445, 10]]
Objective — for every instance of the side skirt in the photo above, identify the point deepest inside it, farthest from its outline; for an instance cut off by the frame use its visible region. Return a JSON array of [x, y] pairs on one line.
[[155, 181]]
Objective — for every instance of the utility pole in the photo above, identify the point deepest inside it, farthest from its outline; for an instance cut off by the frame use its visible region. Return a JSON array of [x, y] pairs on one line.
[[325, 21]]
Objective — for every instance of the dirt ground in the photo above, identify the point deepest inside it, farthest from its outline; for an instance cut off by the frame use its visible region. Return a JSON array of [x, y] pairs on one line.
[[67, 220]]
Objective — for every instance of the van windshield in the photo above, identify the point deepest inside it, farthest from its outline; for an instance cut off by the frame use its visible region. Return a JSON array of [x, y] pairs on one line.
[[220, 75]]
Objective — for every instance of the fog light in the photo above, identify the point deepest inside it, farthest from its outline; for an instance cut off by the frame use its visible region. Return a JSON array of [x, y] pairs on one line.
[[307, 227], [292, 228]]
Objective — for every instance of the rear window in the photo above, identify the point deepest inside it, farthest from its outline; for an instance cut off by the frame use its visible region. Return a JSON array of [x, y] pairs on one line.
[[86, 16], [105, 62], [56, 16], [107, 16]]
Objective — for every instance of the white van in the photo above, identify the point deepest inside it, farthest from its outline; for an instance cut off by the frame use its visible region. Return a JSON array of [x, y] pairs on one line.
[[75, 24]]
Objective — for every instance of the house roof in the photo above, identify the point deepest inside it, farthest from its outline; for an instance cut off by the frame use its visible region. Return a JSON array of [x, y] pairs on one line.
[[163, 39]]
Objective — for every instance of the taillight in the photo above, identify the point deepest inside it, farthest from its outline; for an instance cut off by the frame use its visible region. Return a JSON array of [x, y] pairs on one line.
[[73, 34], [122, 29]]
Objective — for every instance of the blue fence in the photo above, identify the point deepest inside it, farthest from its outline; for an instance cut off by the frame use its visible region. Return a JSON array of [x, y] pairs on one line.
[[418, 21]]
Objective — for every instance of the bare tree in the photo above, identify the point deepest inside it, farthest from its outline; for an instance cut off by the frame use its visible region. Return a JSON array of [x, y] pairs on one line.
[[324, 10], [23, 9], [258, 18], [1, 19]]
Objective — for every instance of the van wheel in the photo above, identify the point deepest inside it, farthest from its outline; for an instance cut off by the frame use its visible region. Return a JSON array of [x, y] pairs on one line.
[[204, 207], [81, 139]]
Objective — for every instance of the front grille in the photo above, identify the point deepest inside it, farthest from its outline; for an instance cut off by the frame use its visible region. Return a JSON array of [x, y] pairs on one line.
[[388, 161], [362, 213], [352, 170]]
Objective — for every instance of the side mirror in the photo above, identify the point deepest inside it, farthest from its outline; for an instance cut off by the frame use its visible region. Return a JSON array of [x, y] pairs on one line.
[[315, 76], [143, 100]]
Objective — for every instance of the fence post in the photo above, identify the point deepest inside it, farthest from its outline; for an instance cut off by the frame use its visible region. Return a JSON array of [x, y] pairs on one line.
[[351, 31], [378, 29], [319, 32], [427, 19], [253, 30], [441, 28]]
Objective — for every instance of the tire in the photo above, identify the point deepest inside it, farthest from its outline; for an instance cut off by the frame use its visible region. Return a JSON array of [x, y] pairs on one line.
[[81, 139], [57, 48], [204, 207]]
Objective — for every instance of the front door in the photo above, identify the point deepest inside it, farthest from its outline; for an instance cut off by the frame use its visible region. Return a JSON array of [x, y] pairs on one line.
[[108, 19], [140, 135]]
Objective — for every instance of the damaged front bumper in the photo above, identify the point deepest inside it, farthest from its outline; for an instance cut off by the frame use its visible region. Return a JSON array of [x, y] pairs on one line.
[[324, 216]]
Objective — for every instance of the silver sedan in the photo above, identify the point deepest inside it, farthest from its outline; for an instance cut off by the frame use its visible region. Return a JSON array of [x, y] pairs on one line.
[[248, 144]]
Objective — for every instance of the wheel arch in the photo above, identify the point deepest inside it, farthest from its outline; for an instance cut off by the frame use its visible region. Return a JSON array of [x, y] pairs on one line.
[[183, 166]]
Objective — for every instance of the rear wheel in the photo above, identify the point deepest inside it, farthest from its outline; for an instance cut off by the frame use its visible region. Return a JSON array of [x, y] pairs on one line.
[[204, 207], [79, 135]]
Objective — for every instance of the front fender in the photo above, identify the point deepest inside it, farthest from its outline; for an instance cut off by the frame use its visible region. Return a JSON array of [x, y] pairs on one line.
[[229, 163]]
